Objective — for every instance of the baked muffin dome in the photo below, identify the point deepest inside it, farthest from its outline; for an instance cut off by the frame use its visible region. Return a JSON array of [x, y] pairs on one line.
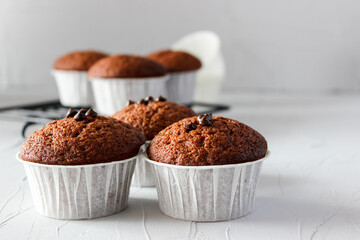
[[203, 140], [82, 140], [151, 116], [176, 61], [126, 66], [78, 60]]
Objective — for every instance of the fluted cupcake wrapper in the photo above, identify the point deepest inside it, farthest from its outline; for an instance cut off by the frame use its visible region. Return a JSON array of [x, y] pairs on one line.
[[112, 94], [181, 87], [82, 191], [206, 193], [143, 173], [74, 88]]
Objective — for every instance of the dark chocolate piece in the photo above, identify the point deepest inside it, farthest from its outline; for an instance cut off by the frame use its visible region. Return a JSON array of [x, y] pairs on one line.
[[130, 102], [91, 113], [83, 110], [161, 99], [205, 119], [149, 99], [143, 101], [71, 113], [190, 126], [80, 116]]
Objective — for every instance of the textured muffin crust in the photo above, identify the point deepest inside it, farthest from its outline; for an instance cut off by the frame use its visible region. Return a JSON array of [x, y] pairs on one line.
[[78, 61], [95, 139], [153, 117], [176, 61], [224, 141], [126, 66]]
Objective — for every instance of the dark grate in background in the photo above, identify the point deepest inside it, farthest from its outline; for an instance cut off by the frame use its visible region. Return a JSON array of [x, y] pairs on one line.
[[42, 113]]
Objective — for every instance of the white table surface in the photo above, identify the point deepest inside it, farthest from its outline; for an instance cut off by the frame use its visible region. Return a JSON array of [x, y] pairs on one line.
[[308, 189]]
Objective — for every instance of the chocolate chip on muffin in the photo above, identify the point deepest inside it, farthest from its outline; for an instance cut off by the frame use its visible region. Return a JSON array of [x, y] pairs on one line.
[[205, 119], [81, 114], [71, 113], [161, 99], [206, 140], [143, 101], [91, 113], [190, 126], [149, 99], [130, 102], [151, 116]]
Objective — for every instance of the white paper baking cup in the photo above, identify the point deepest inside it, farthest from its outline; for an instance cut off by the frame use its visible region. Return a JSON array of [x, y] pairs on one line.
[[206, 193], [82, 191], [143, 173], [181, 87], [74, 88], [112, 94]]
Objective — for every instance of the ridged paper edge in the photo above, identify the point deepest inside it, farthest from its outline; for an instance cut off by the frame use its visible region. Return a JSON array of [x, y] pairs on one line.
[[74, 88], [206, 194], [81, 192]]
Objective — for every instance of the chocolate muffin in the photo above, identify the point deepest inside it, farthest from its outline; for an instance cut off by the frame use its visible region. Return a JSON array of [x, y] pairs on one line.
[[78, 60], [126, 66], [203, 140], [151, 116], [82, 138], [176, 61]]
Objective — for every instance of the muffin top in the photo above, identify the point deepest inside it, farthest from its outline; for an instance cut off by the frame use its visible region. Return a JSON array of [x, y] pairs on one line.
[[151, 116], [78, 61], [82, 138], [176, 61], [126, 66], [203, 140]]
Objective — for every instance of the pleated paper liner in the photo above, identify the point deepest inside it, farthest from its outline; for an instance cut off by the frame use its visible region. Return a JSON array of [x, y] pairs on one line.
[[73, 87], [111, 95], [206, 193], [143, 173], [181, 87], [81, 191]]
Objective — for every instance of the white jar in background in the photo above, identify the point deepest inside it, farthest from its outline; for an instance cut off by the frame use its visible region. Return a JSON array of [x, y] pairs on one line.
[[205, 45]]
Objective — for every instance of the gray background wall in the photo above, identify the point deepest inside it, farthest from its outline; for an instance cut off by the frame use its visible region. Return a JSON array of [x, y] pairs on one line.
[[267, 44]]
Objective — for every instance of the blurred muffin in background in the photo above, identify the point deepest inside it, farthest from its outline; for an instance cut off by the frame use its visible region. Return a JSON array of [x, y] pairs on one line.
[[182, 67], [70, 72], [115, 79], [78, 60]]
